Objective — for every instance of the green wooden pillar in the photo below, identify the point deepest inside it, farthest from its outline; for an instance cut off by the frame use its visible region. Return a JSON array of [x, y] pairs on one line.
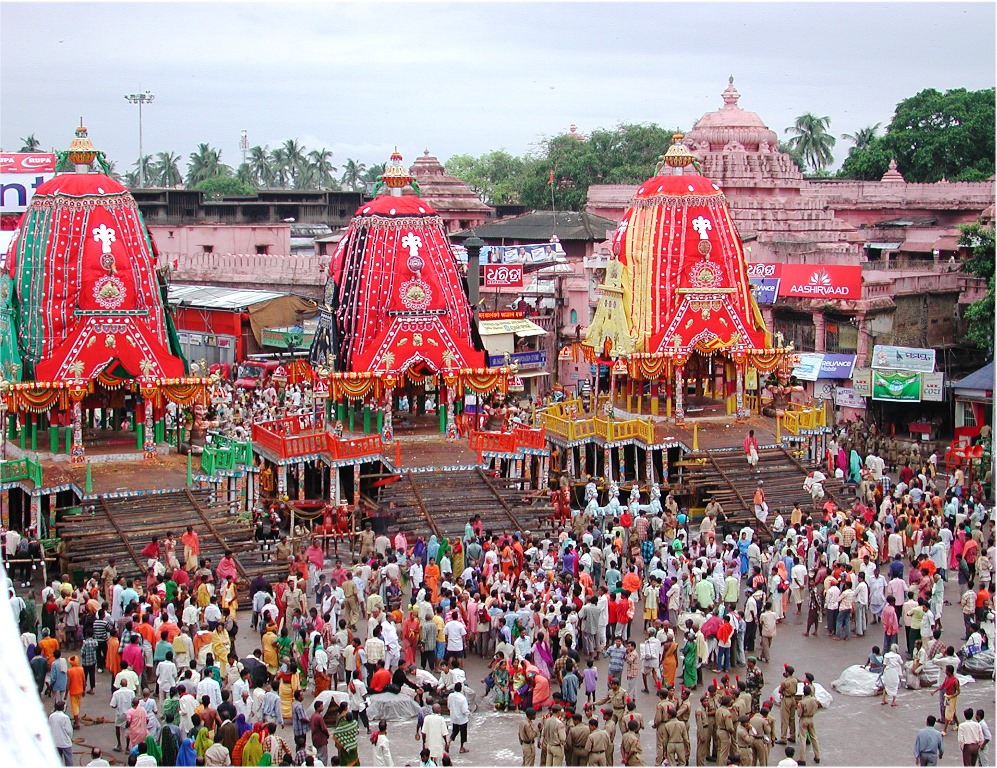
[[352, 409], [341, 410], [160, 431], [53, 438], [11, 426], [34, 432], [21, 435], [366, 418], [140, 435], [68, 440], [380, 420], [132, 420]]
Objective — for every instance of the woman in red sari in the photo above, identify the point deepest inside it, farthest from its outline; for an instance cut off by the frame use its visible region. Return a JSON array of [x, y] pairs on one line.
[[411, 633]]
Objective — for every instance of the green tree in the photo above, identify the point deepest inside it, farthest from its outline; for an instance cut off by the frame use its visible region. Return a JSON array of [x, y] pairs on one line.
[[205, 163], [371, 175], [288, 160], [626, 154], [496, 177], [223, 186], [353, 172], [794, 154], [166, 169], [809, 135], [863, 137], [319, 161], [145, 169], [932, 135], [261, 166], [980, 314], [867, 163], [30, 144]]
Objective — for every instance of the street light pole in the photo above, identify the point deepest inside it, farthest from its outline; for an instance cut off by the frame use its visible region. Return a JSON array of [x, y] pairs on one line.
[[147, 97]]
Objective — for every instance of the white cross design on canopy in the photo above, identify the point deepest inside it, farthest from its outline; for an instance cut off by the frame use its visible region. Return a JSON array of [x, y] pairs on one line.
[[413, 242], [105, 236], [702, 225]]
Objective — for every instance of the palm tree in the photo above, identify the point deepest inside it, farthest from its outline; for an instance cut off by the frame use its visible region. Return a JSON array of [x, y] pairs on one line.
[[166, 170], [320, 161], [146, 172], [262, 167], [293, 159], [810, 137], [205, 163], [132, 180], [112, 172], [863, 137], [353, 172], [281, 169], [30, 144], [373, 172]]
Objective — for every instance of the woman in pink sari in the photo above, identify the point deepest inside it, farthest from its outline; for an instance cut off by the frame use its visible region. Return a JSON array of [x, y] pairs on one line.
[[958, 545], [540, 684], [542, 656]]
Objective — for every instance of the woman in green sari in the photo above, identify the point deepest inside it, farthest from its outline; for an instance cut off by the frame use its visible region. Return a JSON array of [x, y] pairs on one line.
[[445, 551], [690, 660], [346, 735], [203, 742], [152, 749]]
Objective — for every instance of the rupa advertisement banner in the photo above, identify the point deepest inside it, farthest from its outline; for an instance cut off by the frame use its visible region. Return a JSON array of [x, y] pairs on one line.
[[21, 173]]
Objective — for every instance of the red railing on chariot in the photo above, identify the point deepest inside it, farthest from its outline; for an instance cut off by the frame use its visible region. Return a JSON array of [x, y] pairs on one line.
[[507, 442], [296, 436]]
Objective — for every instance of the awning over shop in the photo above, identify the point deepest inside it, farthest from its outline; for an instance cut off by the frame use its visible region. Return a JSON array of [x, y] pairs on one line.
[[520, 327], [884, 246]]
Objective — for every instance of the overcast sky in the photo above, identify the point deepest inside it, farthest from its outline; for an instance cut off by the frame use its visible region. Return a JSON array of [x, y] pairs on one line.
[[463, 78]]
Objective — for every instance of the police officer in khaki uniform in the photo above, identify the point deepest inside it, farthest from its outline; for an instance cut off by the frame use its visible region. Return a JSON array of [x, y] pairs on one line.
[[808, 707], [616, 698], [711, 701], [787, 706], [726, 724], [630, 746], [677, 742], [662, 714], [760, 743], [704, 730], [744, 740], [528, 737], [598, 745], [578, 734], [553, 734]]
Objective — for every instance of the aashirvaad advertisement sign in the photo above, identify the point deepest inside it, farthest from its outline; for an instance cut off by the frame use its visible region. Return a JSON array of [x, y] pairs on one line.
[[812, 281]]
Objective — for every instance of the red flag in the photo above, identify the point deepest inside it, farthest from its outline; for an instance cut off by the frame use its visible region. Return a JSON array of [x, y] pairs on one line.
[[550, 179]]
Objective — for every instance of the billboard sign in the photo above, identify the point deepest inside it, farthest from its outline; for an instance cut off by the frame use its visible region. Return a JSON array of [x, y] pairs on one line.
[[898, 386], [806, 366], [903, 358], [847, 397], [502, 275], [933, 387], [811, 281], [21, 173], [862, 381], [536, 253], [765, 289]]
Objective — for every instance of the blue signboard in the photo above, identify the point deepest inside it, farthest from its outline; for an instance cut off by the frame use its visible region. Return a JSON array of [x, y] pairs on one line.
[[836, 366], [766, 289], [536, 359]]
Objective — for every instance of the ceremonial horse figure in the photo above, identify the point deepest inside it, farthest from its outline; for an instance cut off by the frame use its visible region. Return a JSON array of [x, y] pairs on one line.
[[560, 499], [613, 507], [653, 507]]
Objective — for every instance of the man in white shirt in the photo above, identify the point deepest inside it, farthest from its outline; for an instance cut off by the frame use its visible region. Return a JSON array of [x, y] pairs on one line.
[[435, 733], [209, 687], [454, 632], [121, 702], [460, 715], [62, 732], [166, 675]]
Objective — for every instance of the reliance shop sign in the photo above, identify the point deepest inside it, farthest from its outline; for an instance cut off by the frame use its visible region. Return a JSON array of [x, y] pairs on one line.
[[21, 173], [811, 281], [766, 289]]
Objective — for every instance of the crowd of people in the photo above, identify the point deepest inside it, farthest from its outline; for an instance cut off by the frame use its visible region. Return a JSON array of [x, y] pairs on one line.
[[572, 621]]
